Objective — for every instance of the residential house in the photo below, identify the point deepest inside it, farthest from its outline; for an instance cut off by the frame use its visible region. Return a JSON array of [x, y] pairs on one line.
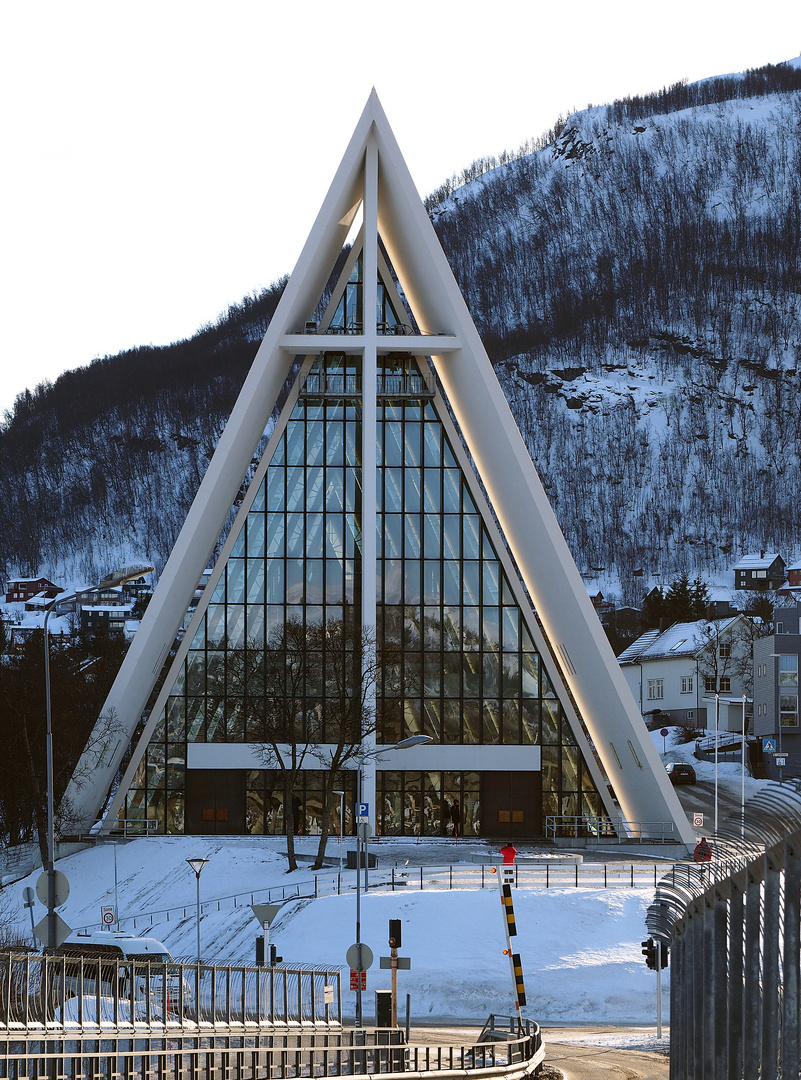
[[760, 573], [687, 673], [20, 590], [793, 575]]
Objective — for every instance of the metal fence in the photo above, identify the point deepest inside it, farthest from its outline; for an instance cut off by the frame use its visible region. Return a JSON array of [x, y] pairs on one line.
[[733, 929], [83, 994], [566, 873]]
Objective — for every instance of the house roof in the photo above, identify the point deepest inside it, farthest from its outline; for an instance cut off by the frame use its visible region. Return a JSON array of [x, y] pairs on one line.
[[680, 639], [758, 562]]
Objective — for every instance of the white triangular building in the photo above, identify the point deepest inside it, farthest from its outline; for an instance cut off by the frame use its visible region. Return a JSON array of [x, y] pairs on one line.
[[394, 492]]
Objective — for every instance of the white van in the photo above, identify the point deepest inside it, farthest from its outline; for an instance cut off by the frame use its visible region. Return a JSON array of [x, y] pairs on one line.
[[102, 954]]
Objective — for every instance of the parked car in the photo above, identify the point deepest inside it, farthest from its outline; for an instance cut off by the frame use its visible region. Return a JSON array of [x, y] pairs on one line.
[[680, 772]]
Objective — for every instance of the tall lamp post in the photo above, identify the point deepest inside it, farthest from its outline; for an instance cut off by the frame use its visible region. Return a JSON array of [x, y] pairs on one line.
[[341, 795], [117, 577], [404, 744], [197, 865]]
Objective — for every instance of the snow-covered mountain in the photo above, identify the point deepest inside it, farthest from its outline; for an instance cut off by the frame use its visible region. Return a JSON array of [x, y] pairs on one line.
[[637, 281]]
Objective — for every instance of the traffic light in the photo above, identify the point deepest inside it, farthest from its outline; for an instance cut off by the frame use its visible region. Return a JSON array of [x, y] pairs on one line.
[[649, 952], [663, 954], [394, 933], [274, 958]]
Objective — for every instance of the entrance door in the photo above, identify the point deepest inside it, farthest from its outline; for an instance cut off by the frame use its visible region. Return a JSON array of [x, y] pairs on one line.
[[511, 805], [215, 802]]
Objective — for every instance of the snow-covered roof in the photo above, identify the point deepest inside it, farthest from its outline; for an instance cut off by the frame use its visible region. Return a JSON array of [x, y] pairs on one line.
[[757, 562], [680, 639]]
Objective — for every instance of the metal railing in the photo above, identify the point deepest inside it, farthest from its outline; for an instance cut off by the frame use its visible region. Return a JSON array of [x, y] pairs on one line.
[[608, 829], [543, 874], [733, 928], [90, 994], [408, 385]]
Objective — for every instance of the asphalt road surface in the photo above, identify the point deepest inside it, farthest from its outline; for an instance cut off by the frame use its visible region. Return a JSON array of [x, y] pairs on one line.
[[700, 798]]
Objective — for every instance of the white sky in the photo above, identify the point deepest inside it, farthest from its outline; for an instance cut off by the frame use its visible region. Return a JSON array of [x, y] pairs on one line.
[[163, 159]]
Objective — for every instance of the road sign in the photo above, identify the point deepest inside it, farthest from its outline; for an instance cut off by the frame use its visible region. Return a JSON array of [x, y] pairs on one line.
[[62, 930], [698, 821], [107, 916], [664, 732], [403, 963], [27, 896], [352, 956], [62, 888], [780, 760], [265, 913], [354, 980], [328, 994], [362, 812], [768, 746]]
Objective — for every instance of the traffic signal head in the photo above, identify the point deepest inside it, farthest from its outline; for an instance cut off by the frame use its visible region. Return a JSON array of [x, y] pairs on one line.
[[274, 958], [649, 952], [394, 933]]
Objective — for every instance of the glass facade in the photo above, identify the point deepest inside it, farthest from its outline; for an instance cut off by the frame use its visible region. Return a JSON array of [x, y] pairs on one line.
[[458, 661]]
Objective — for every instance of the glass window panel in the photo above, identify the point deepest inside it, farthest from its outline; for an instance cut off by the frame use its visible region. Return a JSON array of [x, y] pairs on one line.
[[452, 675], [275, 535], [235, 572], [334, 582], [511, 722], [432, 590], [491, 628], [196, 672], [255, 624], [411, 718], [432, 714], [315, 443], [531, 721], [255, 581], [334, 536], [215, 722], [470, 534], [393, 495], [294, 535], [215, 624], [314, 535], [294, 581], [215, 677], [295, 489], [507, 596], [351, 501], [260, 502], [274, 619], [451, 489], [276, 489], [550, 721], [511, 676], [236, 626], [550, 768], [452, 629], [432, 539], [432, 675], [511, 635], [274, 584], [471, 670], [350, 581], [294, 442], [570, 768], [492, 721], [176, 718], [530, 675], [195, 718], [352, 443], [433, 443], [471, 629], [411, 588], [451, 536], [393, 454], [393, 581], [413, 482], [492, 675], [314, 581], [315, 489], [412, 535], [199, 637], [432, 621], [431, 495], [334, 489], [491, 581], [470, 582], [393, 534], [238, 550], [412, 456], [788, 670], [335, 448], [411, 627], [255, 535], [451, 721], [451, 582]]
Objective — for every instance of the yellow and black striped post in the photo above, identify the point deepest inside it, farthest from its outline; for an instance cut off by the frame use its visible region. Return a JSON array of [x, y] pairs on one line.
[[511, 931]]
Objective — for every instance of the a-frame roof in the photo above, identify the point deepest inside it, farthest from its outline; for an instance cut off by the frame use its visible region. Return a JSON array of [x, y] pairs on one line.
[[373, 163]]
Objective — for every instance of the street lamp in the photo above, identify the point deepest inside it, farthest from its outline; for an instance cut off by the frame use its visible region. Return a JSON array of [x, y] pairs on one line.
[[341, 795], [197, 865], [717, 717], [117, 577], [404, 744]]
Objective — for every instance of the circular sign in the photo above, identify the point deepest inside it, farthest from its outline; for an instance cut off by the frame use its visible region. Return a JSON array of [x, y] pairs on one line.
[[352, 957], [62, 888], [108, 917], [664, 732]]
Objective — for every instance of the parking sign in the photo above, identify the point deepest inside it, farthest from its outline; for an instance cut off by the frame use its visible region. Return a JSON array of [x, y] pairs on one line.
[[362, 813]]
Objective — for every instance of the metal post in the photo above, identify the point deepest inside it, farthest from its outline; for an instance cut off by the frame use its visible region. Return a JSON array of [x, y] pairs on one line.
[[719, 979], [791, 975], [116, 891], [341, 795], [752, 989], [197, 865], [717, 717], [736, 979], [770, 973], [358, 1019], [51, 842]]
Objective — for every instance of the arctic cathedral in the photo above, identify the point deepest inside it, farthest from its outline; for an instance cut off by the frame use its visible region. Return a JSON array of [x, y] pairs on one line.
[[393, 570]]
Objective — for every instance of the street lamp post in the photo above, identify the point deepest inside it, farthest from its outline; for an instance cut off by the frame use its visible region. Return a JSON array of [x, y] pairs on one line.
[[117, 577], [197, 865], [717, 718]]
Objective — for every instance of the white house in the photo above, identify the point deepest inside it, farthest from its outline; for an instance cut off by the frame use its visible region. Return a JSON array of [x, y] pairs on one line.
[[682, 674]]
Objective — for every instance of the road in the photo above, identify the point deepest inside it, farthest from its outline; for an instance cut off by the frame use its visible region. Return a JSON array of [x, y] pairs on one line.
[[700, 798], [574, 1060]]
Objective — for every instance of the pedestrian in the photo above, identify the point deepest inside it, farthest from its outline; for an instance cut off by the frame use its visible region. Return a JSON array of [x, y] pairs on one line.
[[296, 805], [456, 818]]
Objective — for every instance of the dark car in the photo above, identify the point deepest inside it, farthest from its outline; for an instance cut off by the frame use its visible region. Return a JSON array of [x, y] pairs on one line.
[[680, 772]]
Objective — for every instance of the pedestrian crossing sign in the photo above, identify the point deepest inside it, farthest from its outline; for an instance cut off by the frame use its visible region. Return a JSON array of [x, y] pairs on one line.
[[768, 746]]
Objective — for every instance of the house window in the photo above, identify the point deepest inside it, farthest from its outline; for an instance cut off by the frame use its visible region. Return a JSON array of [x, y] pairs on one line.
[[788, 710], [788, 670], [686, 684], [725, 684], [779, 627], [710, 684], [656, 689], [724, 650]]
